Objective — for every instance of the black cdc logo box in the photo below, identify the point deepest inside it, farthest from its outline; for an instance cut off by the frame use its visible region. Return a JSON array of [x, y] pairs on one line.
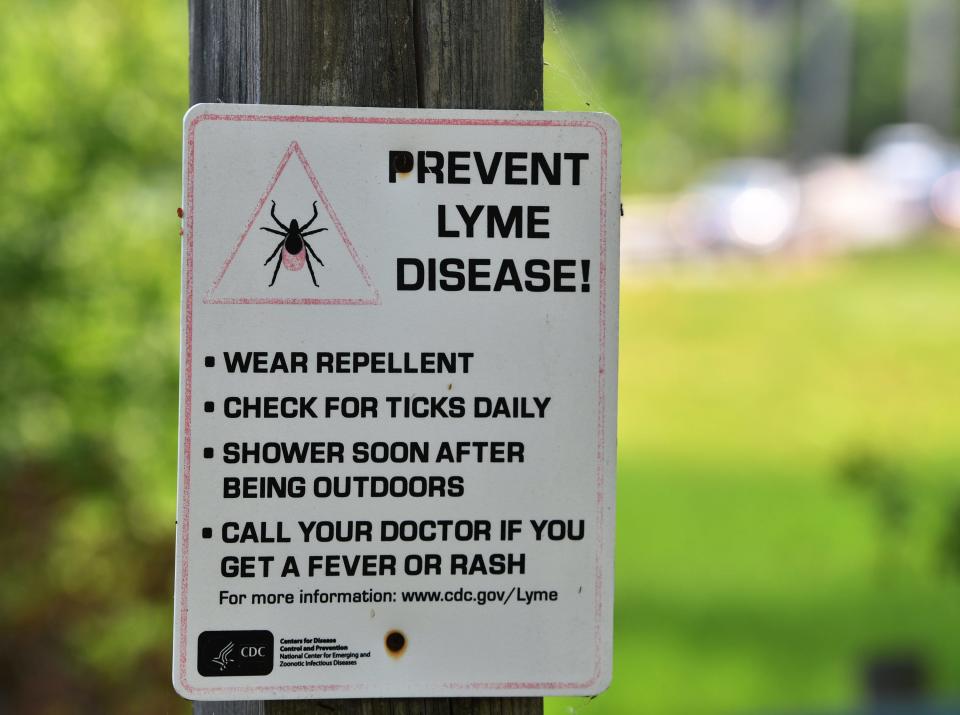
[[229, 653]]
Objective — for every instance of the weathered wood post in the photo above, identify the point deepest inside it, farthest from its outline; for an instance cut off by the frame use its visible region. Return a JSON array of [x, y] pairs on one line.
[[477, 54]]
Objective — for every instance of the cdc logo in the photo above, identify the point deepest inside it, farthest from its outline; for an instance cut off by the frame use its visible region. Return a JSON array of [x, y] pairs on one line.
[[231, 653]]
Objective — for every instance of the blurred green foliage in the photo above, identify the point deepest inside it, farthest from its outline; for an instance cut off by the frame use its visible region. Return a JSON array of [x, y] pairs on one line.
[[676, 114], [720, 81], [90, 109]]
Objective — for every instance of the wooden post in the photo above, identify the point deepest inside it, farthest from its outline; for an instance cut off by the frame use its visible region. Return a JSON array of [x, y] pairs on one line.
[[476, 54]]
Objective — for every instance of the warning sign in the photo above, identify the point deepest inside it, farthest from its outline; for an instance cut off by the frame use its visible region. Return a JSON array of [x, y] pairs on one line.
[[398, 403], [289, 239]]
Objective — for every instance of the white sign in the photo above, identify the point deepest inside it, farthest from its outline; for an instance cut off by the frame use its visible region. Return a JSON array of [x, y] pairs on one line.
[[398, 403]]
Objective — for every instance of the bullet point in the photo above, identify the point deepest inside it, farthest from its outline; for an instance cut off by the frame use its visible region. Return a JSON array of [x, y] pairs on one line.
[[208, 406], [208, 452], [207, 532], [209, 361]]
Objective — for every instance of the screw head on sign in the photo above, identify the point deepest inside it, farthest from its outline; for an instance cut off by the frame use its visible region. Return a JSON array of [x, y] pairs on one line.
[[403, 162]]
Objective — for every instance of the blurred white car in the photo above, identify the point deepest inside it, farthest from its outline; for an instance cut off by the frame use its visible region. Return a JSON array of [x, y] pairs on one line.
[[908, 160], [745, 204]]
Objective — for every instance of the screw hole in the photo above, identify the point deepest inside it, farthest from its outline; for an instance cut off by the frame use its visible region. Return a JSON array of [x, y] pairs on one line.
[[395, 642]]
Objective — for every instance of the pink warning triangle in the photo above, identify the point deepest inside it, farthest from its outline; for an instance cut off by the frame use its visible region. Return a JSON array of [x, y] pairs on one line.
[[294, 249]]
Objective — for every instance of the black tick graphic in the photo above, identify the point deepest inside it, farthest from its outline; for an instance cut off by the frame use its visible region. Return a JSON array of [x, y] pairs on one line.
[[293, 249]]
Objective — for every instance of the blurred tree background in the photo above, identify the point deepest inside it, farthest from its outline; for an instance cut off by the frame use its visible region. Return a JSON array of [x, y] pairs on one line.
[[90, 112], [694, 81], [770, 535]]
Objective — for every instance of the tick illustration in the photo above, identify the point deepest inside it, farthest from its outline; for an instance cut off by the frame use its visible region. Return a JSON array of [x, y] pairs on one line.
[[293, 249]]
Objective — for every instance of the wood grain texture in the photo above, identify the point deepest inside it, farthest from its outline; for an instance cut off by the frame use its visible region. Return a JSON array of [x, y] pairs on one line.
[[476, 54], [358, 53], [480, 54], [225, 51], [470, 54]]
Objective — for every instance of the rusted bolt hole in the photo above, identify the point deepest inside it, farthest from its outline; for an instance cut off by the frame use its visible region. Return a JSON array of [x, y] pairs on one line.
[[395, 642]]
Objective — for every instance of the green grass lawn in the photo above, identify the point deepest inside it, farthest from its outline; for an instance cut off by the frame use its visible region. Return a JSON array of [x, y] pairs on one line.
[[750, 578]]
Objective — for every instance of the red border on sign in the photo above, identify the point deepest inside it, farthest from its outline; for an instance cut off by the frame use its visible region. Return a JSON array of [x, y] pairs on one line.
[[187, 395]]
